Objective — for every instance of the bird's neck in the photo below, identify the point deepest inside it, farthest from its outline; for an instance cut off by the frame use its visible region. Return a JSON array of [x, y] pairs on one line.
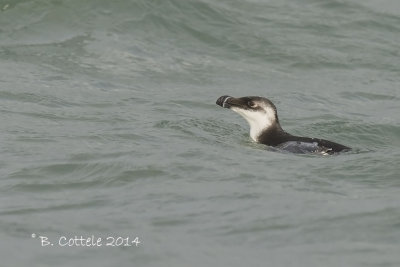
[[271, 136]]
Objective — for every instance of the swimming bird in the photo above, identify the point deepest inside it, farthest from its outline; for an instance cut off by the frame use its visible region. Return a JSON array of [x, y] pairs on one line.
[[262, 116]]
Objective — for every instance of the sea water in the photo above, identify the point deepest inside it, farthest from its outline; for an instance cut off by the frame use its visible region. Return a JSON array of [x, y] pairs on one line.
[[114, 153]]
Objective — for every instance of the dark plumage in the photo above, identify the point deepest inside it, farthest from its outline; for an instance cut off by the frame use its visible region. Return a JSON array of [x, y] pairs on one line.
[[262, 116]]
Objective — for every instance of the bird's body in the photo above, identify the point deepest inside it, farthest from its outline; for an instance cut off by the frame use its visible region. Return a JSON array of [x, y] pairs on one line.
[[262, 116]]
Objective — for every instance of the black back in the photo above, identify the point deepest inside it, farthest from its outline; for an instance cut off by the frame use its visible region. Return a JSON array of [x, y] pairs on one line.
[[274, 136]]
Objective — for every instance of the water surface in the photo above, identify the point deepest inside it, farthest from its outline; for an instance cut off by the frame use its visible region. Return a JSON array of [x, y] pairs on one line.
[[109, 128]]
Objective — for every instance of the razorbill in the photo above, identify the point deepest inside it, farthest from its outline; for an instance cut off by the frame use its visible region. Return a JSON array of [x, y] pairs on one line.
[[262, 117]]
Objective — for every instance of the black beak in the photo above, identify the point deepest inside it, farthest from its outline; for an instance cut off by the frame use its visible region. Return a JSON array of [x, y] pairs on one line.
[[221, 100]]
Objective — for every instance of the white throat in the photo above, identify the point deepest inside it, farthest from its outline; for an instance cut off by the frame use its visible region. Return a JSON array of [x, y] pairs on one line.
[[258, 120]]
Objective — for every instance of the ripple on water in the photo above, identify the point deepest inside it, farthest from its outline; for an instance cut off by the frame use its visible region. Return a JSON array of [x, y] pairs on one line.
[[205, 130], [366, 96], [59, 176], [45, 100]]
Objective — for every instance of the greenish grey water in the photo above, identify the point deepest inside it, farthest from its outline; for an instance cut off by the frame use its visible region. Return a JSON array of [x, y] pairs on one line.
[[109, 128]]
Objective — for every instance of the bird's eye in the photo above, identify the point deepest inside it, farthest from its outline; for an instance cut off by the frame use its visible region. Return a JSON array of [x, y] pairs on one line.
[[251, 104]]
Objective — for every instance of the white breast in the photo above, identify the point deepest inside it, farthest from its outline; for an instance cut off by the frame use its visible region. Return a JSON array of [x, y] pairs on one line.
[[258, 120]]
